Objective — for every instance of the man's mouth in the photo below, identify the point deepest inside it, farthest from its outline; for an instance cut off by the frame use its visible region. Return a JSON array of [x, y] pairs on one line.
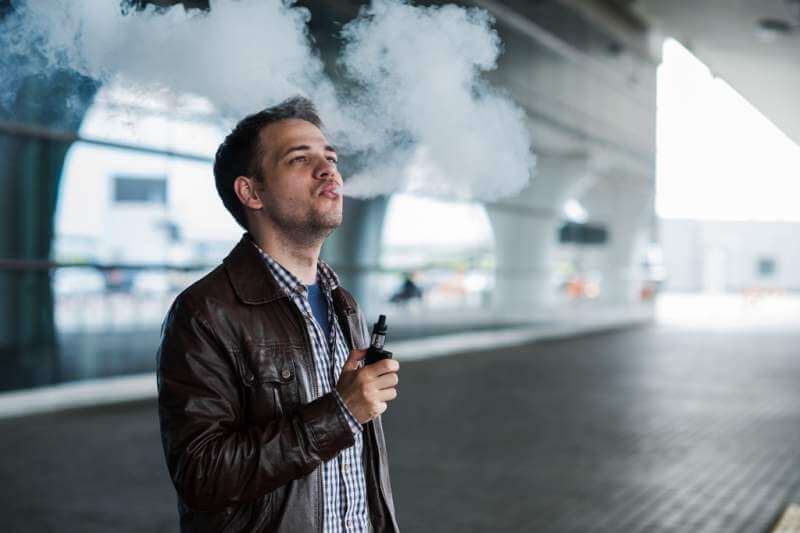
[[332, 191]]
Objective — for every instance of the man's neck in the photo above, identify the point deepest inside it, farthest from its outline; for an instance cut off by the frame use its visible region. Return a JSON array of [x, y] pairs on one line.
[[299, 259]]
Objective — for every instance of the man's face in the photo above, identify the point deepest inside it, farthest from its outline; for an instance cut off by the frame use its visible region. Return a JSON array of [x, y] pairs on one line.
[[299, 172]]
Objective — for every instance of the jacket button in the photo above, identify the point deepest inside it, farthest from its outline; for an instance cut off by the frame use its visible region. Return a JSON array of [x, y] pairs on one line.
[[286, 373]]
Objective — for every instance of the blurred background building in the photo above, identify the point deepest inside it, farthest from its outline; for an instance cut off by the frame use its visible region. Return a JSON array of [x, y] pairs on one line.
[[667, 167]]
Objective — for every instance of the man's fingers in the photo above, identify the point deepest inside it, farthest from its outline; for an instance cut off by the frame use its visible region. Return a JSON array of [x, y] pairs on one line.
[[385, 365], [387, 395], [384, 381], [354, 358]]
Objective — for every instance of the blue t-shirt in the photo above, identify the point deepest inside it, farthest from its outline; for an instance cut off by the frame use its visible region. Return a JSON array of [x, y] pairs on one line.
[[319, 306]]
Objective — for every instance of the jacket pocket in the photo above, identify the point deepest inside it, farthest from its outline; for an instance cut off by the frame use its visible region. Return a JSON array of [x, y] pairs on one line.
[[269, 378], [248, 516]]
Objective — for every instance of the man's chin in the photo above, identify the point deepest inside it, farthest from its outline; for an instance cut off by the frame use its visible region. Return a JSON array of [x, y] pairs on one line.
[[333, 224], [329, 222]]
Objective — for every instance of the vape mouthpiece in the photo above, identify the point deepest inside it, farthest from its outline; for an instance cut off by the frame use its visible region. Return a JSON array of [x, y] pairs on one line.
[[376, 351], [379, 328], [379, 333]]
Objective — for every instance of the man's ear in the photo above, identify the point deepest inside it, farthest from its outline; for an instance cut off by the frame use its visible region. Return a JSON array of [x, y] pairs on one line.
[[245, 189]]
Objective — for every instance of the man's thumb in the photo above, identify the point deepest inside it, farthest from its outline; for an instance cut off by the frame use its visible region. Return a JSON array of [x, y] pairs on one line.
[[354, 358]]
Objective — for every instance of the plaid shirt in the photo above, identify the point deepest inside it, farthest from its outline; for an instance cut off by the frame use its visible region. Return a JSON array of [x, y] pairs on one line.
[[344, 484]]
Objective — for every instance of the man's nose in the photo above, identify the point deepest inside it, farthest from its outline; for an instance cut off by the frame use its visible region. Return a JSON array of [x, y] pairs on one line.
[[325, 170]]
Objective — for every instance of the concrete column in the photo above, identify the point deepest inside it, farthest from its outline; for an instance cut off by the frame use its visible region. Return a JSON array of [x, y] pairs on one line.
[[525, 230], [625, 205], [354, 248], [30, 170]]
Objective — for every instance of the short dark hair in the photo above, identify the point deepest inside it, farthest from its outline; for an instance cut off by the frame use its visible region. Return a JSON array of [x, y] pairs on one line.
[[240, 153]]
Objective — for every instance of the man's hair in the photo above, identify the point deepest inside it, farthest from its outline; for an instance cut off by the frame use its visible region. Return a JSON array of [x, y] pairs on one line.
[[240, 154]]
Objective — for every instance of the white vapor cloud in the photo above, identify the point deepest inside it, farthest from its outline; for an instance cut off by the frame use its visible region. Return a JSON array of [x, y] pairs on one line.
[[416, 112], [241, 55], [439, 127]]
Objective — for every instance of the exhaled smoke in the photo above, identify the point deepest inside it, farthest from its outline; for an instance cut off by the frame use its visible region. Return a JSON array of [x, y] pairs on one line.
[[240, 55], [420, 119], [441, 129]]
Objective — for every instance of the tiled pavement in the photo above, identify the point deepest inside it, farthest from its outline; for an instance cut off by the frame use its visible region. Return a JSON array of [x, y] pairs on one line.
[[634, 431]]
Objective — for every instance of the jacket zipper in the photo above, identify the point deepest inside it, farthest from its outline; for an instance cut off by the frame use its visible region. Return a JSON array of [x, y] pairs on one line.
[[313, 372]]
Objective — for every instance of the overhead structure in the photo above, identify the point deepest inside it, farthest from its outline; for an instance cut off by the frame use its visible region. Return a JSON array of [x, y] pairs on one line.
[[753, 45]]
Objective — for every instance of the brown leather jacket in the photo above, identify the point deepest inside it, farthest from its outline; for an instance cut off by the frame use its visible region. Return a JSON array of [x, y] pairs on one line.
[[242, 439]]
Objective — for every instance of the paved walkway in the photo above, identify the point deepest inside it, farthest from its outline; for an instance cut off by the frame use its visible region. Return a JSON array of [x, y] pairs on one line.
[[644, 430]]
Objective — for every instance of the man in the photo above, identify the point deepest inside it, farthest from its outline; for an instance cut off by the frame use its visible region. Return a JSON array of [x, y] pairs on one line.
[[270, 421]]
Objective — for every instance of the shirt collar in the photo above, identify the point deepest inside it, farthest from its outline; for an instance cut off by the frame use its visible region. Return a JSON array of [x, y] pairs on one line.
[[326, 277]]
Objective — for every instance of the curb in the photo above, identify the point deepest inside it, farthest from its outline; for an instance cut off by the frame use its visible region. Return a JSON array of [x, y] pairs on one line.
[[113, 390]]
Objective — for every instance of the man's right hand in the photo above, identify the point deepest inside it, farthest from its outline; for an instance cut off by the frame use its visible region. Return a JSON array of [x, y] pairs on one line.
[[366, 390]]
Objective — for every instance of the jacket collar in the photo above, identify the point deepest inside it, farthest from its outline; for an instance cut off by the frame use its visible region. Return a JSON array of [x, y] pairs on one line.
[[250, 277]]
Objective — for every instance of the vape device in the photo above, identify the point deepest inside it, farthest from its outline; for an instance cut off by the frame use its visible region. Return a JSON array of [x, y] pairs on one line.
[[376, 351]]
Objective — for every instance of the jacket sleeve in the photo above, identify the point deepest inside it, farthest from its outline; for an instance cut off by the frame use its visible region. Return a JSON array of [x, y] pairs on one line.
[[214, 459]]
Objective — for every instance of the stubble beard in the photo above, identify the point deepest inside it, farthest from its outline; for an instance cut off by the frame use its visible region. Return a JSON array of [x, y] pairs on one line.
[[308, 229]]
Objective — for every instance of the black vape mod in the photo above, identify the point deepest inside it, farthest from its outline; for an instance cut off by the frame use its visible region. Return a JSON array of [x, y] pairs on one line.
[[376, 351]]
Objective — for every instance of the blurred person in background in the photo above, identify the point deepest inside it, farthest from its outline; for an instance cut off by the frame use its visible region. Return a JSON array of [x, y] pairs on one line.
[[270, 421], [408, 290]]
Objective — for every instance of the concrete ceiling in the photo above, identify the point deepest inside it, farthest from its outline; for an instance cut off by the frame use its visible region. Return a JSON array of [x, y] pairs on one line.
[[723, 34]]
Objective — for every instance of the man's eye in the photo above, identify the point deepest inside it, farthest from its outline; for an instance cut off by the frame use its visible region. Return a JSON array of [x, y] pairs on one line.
[[333, 160], [298, 158]]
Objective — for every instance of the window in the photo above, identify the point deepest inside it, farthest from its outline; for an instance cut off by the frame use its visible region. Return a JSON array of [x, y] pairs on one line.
[[575, 232], [138, 189], [765, 267]]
